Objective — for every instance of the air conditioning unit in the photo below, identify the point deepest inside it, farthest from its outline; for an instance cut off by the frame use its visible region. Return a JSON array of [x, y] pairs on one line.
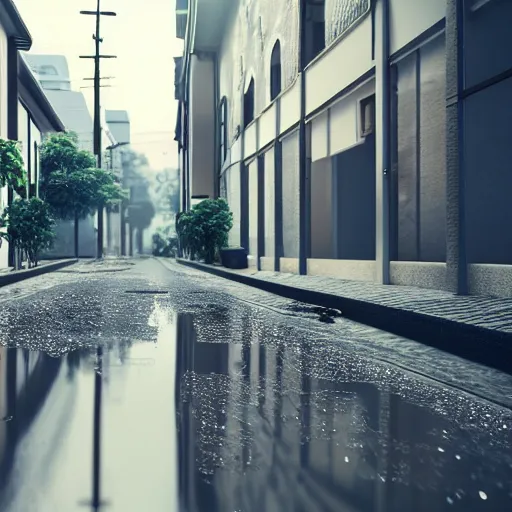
[[367, 115]]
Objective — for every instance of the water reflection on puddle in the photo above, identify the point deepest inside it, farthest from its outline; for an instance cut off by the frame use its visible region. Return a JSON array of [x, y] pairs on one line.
[[220, 412], [287, 425], [90, 428]]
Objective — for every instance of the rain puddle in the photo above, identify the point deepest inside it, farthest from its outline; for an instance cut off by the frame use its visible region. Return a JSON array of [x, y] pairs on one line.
[[280, 424]]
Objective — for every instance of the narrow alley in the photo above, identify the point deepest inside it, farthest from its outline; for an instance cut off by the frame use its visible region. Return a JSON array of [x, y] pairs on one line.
[[137, 386]]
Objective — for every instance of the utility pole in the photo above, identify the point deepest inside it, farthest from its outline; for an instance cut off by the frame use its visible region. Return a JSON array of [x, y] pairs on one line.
[[97, 106]]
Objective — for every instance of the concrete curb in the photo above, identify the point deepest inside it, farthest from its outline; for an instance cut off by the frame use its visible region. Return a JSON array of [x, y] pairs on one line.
[[485, 346], [21, 275]]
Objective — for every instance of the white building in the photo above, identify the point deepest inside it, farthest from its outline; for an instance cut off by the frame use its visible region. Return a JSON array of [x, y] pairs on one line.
[[26, 114], [361, 139], [53, 74]]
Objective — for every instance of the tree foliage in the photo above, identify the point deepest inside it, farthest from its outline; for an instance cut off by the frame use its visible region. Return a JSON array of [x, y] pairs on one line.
[[167, 192], [71, 183], [141, 214], [12, 169], [205, 228], [29, 226]]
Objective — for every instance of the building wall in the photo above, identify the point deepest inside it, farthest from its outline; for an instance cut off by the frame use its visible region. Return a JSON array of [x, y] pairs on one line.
[[321, 209], [354, 202], [269, 202], [202, 126], [291, 206], [409, 19], [250, 35], [3, 128], [252, 170], [487, 135], [418, 161]]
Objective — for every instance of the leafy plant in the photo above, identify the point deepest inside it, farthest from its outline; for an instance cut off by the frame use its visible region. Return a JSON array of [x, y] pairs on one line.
[[29, 227], [164, 246], [12, 169], [71, 183], [204, 230]]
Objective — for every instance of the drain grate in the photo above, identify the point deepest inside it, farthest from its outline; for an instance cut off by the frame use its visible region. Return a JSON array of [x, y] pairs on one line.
[[147, 292]]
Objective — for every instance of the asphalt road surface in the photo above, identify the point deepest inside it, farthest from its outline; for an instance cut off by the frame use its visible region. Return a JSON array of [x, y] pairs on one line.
[[133, 385]]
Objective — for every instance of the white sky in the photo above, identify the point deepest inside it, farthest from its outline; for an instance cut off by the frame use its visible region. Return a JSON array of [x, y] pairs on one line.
[[143, 38]]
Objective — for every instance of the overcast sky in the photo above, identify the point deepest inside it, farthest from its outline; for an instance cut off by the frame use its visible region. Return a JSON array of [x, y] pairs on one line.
[[143, 38]]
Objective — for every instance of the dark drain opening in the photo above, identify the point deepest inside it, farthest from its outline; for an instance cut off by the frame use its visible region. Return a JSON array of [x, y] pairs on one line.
[[147, 292]]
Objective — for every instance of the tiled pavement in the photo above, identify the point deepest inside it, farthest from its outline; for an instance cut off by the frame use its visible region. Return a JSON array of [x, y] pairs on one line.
[[485, 312]]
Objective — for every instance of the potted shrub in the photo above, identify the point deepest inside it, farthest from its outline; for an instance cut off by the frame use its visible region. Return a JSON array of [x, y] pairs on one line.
[[29, 227], [203, 231]]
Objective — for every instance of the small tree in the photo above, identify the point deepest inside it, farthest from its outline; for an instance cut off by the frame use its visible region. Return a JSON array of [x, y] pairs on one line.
[[29, 227], [140, 215], [71, 183], [204, 230]]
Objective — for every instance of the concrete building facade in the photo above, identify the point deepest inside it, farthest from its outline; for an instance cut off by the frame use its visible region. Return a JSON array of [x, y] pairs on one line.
[[117, 123], [26, 114], [362, 139]]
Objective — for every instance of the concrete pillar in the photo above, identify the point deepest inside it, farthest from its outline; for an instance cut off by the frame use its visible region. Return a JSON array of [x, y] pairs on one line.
[[382, 140], [456, 264]]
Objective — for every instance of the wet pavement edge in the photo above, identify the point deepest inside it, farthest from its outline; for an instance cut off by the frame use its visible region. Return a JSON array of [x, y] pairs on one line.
[[21, 275], [485, 346]]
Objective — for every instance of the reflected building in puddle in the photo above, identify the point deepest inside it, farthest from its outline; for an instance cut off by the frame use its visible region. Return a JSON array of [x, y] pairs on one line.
[[271, 425]]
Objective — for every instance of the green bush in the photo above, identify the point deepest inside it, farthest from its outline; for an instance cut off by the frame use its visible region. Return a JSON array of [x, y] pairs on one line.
[[12, 170], [29, 227], [164, 246], [204, 230]]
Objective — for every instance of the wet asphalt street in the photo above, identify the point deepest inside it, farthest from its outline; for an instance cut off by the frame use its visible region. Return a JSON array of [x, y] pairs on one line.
[[130, 386]]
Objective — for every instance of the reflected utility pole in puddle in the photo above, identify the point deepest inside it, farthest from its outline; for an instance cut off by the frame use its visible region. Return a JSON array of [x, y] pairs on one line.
[[96, 446], [96, 503]]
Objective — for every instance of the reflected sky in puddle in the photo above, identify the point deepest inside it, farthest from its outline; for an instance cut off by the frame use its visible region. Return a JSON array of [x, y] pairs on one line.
[[47, 449]]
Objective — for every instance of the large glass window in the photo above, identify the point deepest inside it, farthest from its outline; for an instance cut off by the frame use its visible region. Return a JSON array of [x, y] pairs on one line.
[[419, 177]]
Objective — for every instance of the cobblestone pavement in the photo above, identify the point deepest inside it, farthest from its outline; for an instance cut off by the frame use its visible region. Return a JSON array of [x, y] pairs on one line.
[[485, 312]]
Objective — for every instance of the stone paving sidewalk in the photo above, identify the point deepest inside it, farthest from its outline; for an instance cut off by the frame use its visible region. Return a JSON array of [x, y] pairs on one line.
[[485, 312]]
